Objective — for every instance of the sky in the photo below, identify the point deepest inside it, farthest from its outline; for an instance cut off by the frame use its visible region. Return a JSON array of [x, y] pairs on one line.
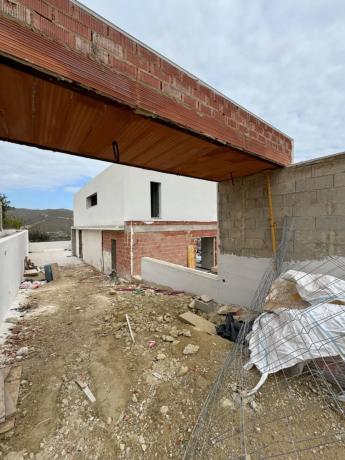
[[282, 60]]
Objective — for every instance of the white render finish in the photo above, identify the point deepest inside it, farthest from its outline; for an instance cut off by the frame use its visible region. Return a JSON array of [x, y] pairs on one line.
[[179, 278], [92, 248], [13, 249], [123, 194]]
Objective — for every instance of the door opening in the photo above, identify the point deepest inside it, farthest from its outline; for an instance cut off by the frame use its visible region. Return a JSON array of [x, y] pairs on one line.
[[80, 244], [113, 256]]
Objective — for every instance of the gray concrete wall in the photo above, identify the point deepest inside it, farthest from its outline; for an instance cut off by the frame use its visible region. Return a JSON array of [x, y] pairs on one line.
[[313, 193]]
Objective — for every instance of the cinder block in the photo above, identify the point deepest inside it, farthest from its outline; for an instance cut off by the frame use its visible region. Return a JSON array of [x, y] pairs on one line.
[[339, 180], [334, 165], [314, 209], [314, 183], [284, 188], [305, 198], [332, 195], [304, 223], [335, 223], [254, 243]]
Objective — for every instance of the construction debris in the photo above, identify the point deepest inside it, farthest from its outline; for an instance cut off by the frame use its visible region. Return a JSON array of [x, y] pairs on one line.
[[198, 322], [9, 390], [190, 349], [209, 306], [130, 328], [84, 386]]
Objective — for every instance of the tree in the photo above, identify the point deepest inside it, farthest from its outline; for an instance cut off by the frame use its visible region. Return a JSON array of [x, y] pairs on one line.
[[8, 221], [6, 205]]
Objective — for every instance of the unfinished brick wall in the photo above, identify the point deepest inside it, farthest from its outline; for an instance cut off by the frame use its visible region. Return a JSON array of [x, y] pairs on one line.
[[167, 246], [313, 193], [182, 97], [123, 250], [170, 246]]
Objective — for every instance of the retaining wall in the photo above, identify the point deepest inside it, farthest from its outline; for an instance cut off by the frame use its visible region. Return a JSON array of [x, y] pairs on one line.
[[13, 249]]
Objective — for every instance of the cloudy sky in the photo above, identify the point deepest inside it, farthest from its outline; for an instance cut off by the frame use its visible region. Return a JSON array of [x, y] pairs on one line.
[[283, 60]]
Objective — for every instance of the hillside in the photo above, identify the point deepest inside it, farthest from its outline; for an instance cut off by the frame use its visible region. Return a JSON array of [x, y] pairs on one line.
[[56, 222]]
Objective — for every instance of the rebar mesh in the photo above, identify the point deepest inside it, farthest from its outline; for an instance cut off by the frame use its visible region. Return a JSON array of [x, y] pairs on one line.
[[297, 412]]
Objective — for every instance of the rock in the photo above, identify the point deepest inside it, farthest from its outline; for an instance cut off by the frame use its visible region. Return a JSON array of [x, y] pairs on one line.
[[112, 292], [160, 356], [253, 405], [14, 456], [164, 410], [134, 398], [182, 371], [206, 298], [122, 447], [168, 338], [186, 333], [22, 351], [192, 304], [174, 332], [227, 403], [225, 309], [207, 307], [190, 349], [109, 420]]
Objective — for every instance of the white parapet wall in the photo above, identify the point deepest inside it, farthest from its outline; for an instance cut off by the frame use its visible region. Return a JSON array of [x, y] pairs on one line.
[[13, 249], [179, 278]]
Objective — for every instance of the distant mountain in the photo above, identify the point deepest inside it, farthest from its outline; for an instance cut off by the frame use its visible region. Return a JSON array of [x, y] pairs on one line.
[[56, 222]]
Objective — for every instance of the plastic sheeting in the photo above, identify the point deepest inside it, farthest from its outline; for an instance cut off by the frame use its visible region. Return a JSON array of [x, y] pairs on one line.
[[284, 337], [316, 288]]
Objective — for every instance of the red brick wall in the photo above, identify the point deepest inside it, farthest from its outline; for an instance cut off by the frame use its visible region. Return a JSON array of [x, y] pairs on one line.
[[190, 101], [168, 246], [123, 250]]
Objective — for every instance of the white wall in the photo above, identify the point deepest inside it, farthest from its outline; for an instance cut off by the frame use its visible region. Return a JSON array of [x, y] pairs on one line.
[[123, 194], [110, 195], [182, 198], [13, 249], [92, 248], [179, 278], [235, 284]]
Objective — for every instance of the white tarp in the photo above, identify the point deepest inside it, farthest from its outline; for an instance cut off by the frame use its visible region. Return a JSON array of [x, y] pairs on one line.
[[316, 288], [283, 338]]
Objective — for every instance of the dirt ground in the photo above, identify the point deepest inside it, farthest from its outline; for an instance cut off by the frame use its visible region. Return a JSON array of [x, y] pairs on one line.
[[147, 399], [148, 393]]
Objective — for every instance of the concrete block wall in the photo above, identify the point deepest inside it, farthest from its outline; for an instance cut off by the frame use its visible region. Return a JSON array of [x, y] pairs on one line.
[[312, 193], [181, 95]]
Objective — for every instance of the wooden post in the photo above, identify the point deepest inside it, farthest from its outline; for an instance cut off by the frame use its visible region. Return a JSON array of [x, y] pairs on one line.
[[191, 259]]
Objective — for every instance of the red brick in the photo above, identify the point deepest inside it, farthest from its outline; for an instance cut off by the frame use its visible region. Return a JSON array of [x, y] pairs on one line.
[[71, 24], [149, 79], [52, 30]]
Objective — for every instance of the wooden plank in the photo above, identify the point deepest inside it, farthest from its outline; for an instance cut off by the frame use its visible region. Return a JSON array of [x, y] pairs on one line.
[[55, 271], [198, 322], [3, 374], [12, 384]]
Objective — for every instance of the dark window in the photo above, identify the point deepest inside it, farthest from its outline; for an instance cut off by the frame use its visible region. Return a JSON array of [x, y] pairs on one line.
[[155, 199], [91, 200]]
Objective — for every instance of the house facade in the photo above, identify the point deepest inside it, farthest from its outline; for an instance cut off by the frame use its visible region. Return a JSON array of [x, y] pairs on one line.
[[126, 213]]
